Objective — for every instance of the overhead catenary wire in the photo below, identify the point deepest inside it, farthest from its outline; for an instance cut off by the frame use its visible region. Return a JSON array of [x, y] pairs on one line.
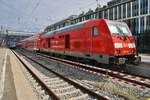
[[86, 7], [19, 18], [9, 8], [34, 9], [25, 20], [30, 16]]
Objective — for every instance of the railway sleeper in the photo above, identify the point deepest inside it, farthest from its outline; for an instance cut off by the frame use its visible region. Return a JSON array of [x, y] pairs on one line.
[[55, 82], [82, 97], [69, 95], [63, 85], [67, 89], [51, 79]]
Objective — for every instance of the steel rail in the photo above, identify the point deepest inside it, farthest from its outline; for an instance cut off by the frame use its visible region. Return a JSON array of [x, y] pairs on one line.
[[85, 90], [45, 87], [118, 75]]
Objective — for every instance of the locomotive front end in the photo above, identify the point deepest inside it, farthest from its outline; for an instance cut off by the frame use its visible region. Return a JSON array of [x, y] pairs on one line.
[[124, 50]]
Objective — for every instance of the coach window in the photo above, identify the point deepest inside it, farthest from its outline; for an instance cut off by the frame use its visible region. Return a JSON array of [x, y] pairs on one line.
[[94, 31]]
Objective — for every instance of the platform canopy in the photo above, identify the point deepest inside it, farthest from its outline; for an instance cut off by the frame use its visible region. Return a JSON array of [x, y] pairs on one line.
[[20, 33]]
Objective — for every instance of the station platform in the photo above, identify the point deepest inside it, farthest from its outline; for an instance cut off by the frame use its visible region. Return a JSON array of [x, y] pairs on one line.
[[145, 58], [13, 83]]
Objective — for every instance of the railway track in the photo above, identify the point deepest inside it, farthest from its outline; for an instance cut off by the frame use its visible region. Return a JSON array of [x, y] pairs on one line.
[[144, 82], [102, 72], [57, 86]]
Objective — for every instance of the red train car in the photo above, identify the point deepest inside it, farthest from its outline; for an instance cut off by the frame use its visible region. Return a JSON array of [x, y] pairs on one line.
[[32, 43], [101, 40]]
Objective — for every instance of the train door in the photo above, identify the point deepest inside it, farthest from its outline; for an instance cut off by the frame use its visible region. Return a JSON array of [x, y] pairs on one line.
[[42, 44], [49, 42], [39, 41], [87, 41], [67, 41], [95, 39]]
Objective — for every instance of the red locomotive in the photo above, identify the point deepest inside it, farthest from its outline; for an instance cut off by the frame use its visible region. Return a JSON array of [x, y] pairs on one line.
[[105, 41]]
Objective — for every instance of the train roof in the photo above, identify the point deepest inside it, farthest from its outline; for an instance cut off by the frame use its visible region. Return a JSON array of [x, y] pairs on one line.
[[30, 38], [79, 25], [67, 28]]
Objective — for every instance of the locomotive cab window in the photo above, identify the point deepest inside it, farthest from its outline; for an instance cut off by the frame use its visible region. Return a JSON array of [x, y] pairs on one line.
[[94, 31]]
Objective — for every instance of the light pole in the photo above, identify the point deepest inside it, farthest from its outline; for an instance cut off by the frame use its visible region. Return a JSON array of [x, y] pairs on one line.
[[98, 5]]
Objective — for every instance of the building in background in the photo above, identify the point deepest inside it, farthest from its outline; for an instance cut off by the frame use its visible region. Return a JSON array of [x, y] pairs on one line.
[[136, 13], [60, 24]]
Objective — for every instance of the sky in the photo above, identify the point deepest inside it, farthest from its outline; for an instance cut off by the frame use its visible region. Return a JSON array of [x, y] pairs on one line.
[[35, 15]]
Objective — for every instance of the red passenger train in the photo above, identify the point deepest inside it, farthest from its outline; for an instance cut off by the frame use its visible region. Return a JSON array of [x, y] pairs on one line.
[[32, 43], [105, 41]]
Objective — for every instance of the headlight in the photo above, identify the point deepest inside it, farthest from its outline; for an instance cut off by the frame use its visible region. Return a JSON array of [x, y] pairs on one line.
[[118, 45], [131, 45]]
